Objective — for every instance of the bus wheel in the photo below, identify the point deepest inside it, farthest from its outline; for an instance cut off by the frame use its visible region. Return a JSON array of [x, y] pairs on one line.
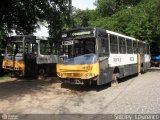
[[114, 81], [41, 73]]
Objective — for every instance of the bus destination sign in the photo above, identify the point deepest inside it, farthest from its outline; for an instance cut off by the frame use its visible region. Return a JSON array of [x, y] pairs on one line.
[[77, 33], [81, 33]]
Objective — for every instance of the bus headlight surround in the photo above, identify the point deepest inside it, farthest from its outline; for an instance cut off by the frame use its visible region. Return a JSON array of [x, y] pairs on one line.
[[88, 76], [60, 74]]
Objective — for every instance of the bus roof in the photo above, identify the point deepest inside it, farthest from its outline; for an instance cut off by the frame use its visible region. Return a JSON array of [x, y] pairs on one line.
[[37, 37], [120, 35], [100, 29]]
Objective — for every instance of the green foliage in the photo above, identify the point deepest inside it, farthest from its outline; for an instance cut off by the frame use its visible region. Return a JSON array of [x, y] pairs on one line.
[[58, 18], [106, 8], [139, 19], [136, 18], [23, 16], [81, 18]]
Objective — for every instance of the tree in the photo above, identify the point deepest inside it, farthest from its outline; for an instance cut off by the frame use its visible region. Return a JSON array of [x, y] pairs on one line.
[[141, 20], [23, 16], [81, 18], [106, 8]]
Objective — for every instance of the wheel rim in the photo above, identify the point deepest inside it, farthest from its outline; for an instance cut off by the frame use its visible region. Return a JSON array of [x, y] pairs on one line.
[[114, 82]]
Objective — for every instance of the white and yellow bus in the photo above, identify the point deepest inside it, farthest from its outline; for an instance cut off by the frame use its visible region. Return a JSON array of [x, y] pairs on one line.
[[96, 55]]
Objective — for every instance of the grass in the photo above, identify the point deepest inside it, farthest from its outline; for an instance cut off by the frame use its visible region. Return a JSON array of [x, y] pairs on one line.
[[6, 77]]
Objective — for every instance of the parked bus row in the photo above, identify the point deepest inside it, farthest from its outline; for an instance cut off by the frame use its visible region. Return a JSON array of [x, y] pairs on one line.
[[85, 56]]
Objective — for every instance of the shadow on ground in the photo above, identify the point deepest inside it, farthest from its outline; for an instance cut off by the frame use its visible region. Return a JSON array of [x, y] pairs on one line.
[[154, 69], [21, 87], [84, 88]]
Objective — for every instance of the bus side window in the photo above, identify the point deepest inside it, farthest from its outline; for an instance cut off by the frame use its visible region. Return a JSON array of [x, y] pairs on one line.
[[113, 44], [105, 45], [27, 47], [141, 48], [135, 48], [122, 45], [129, 46], [35, 48]]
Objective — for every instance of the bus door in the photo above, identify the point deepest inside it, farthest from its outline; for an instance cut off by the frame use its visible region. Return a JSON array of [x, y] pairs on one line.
[[30, 55], [103, 51], [66, 50], [141, 56]]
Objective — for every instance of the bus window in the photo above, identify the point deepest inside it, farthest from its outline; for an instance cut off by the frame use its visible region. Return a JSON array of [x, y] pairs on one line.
[[27, 48], [135, 47], [90, 46], [142, 48], [84, 47], [129, 46], [35, 48], [145, 48], [30, 48], [113, 44], [122, 45], [44, 48], [17, 47], [104, 46], [148, 49], [77, 47], [9, 49]]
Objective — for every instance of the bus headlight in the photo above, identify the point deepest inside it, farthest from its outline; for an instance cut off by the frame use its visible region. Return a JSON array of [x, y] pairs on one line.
[[60, 74]]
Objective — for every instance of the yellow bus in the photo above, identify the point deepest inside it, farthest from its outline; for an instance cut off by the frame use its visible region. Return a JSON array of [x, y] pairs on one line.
[[97, 55], [29, 56]]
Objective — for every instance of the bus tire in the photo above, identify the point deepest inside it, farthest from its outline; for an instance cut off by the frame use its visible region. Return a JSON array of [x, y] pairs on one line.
[[114, 81], [41, 74]]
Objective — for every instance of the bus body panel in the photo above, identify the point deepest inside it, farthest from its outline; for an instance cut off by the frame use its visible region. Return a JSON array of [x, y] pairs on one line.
[[47, 59], [122, 59], [105, 72], [83, 72], [17, 65]]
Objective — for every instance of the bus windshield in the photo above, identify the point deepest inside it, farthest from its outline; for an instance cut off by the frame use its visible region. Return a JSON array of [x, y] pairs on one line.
[[44, 47], [83, 59], [77, 47], [14, 48]]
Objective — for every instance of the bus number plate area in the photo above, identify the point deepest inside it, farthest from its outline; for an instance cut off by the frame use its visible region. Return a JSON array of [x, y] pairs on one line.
[[116, 60]]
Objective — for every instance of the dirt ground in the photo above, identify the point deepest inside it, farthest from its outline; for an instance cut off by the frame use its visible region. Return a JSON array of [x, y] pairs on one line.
[[135, 94]]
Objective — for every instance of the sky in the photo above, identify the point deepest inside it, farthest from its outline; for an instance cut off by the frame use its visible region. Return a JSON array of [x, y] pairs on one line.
[[43, 31], [83, 4]]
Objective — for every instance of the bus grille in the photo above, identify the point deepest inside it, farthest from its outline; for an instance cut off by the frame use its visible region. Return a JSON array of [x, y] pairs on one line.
[[73, 75]]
